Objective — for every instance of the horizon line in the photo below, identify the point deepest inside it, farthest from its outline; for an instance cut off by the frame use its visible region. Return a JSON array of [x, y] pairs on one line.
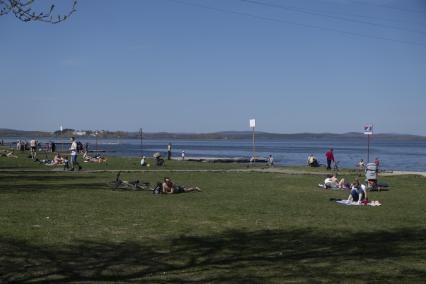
[[229, 131]]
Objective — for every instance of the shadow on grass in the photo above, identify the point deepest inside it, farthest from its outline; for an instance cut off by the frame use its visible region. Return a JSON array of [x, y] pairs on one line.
[[229, 257], [20, 183]]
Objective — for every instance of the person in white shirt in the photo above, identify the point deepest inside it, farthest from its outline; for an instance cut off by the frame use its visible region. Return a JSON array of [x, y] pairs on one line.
[[312, 161], [270, 161], [74, 154], [143, 163], [33, 149], [358, 192]]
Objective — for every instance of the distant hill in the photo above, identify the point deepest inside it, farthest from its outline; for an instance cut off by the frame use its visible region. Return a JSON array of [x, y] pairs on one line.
[[223, 135], [4, 132]]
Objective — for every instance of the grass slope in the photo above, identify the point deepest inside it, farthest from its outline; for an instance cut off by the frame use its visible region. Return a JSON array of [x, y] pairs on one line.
[[58, 227]]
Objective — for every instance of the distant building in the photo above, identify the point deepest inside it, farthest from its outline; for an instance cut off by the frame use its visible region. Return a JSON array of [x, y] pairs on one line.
[[79, 133]]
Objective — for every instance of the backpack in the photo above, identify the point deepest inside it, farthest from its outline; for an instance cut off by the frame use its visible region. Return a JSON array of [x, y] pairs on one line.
[[79, 146]]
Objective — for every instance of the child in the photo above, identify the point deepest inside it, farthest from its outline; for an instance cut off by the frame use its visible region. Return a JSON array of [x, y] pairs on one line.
[[66, 163]]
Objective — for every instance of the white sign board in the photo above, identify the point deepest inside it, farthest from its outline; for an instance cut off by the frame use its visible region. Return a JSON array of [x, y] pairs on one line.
[[368, 129], [252, 123]]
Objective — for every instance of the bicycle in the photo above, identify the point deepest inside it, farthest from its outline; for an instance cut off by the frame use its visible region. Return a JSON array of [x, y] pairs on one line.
[[119, 184], [336, 166]]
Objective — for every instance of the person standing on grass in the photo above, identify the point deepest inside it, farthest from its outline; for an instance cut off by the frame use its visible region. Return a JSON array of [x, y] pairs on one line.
[[330, 158], [169, 151], [377, 163], [74, 154], [270, 161], [33, 148], [183, 155]]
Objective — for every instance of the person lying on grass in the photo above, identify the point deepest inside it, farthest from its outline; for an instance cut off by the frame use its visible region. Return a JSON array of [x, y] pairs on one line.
[[169, 187], [57, 161], [8, 154], [333, 182], [96, 159], [358, 192]]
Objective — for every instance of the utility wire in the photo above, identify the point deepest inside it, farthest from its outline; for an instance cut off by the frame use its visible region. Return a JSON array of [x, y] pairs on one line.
[[282, 21], [370, 17], [310, 12], [390, 7]]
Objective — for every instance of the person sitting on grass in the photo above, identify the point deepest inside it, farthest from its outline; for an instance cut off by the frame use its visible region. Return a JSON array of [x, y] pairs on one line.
[[312, 161], [358, 192], [57, 159], [361, 165], [66, 163], [170, 188], [143, 161]]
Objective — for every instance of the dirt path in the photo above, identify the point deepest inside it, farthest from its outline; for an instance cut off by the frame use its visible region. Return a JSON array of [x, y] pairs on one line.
[[267, 170]]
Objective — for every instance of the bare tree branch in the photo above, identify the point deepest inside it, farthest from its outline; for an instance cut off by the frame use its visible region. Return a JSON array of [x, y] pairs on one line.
[[22, 9]]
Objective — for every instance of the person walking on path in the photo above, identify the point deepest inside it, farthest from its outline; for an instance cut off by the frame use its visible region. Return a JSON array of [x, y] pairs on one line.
[[169, 151], [330, 158], [74, 154]]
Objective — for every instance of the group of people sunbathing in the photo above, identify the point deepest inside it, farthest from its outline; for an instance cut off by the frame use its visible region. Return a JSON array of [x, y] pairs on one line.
[[358, 190], [59, 160]]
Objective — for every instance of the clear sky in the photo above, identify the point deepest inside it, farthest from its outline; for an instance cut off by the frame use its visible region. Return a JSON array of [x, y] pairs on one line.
[[211, 65]]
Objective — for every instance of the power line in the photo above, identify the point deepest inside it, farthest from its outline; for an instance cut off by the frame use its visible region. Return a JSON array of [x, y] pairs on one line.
[[373, 18], [389, 7], [282, 21], [311, 12]]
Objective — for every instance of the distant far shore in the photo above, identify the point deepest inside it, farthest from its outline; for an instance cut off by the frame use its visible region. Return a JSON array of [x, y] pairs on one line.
[[223, 135]]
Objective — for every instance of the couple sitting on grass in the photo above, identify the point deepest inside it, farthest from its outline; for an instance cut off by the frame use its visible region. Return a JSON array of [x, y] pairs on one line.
[[58, 160], [170, 187], [358, 191]]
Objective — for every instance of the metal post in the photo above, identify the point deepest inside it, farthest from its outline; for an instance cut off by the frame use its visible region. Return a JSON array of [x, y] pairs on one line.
[[254, 148], [368, 150], [96, 135], [141, 132]]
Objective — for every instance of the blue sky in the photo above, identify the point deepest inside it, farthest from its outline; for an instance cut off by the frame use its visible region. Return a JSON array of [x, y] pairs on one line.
[[210, 65]]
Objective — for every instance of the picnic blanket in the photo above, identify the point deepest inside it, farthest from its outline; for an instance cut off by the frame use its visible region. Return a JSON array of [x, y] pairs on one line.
[[351, 203]]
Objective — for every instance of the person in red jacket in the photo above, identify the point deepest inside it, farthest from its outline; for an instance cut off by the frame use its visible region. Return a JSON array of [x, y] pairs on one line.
[[330, 157]]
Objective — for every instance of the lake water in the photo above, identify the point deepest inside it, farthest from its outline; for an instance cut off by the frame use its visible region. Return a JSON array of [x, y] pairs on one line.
[[393, 155]]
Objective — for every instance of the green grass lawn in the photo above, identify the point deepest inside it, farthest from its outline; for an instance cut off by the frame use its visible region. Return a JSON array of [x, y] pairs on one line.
[[68, 227]]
